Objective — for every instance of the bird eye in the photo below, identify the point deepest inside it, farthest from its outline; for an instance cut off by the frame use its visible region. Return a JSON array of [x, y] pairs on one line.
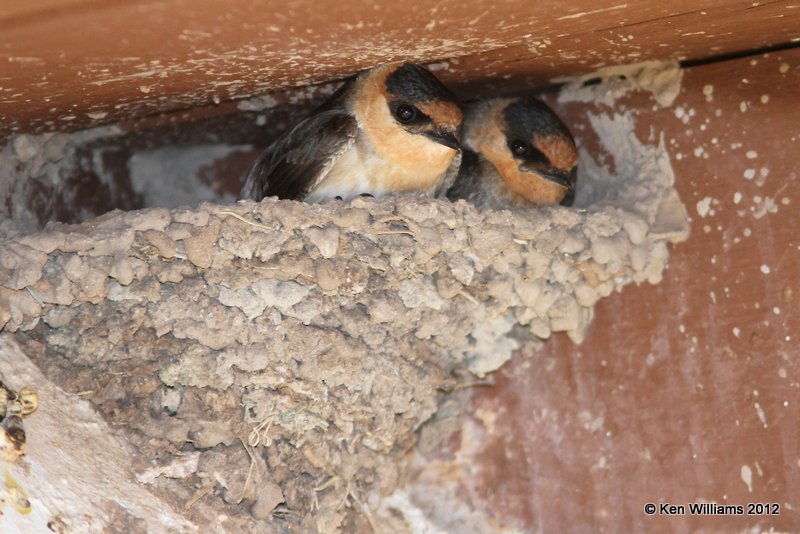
[[405, 113], [518, 148]]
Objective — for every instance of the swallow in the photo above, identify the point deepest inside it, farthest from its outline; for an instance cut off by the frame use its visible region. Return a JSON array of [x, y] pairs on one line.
[[515, 152], [391, 129]]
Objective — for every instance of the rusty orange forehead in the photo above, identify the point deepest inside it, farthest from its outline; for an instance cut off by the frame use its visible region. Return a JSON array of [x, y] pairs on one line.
[[445, 114], [560, 150]]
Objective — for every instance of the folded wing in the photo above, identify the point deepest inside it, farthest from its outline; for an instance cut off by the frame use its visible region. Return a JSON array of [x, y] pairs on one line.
[[296, 163]]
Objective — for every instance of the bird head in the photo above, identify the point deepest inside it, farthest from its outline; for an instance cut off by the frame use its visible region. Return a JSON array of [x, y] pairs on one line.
[[422, 105], [532, 150], [393, 101]]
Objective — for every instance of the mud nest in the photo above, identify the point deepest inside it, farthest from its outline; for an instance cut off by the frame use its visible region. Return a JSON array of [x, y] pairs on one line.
[[283, 355]]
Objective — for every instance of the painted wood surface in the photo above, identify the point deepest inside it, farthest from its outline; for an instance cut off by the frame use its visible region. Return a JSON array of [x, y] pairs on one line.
[[69, 64]]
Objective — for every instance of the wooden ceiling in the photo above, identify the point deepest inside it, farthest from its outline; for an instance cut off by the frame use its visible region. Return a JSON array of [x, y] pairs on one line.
[[69, 64]]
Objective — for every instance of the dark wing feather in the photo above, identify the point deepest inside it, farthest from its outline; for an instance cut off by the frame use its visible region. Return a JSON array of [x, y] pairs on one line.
[[467, 183], [450, 176], [294, 164]]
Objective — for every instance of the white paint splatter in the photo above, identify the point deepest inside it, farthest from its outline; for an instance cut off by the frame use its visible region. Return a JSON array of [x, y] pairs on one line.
[[767, 205], [747, 477], [736, 331], [760, 412], [593, 12], [737, 197], [765, 269], [751, 154], [703, 206], [762, 176], [591, 422]]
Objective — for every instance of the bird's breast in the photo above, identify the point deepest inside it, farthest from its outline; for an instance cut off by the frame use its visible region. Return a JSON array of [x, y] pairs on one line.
[[415, 163], [414, 166]]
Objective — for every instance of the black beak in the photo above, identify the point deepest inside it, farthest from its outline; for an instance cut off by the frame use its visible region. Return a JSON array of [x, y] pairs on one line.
[[445, 138], [565, 179], [569, 198]]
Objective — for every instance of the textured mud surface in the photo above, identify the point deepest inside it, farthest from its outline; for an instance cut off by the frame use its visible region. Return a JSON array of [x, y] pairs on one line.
[[293, 348]]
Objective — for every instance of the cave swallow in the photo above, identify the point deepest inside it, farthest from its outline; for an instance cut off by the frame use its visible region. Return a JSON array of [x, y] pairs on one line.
[[391, 129], [515, 152]]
